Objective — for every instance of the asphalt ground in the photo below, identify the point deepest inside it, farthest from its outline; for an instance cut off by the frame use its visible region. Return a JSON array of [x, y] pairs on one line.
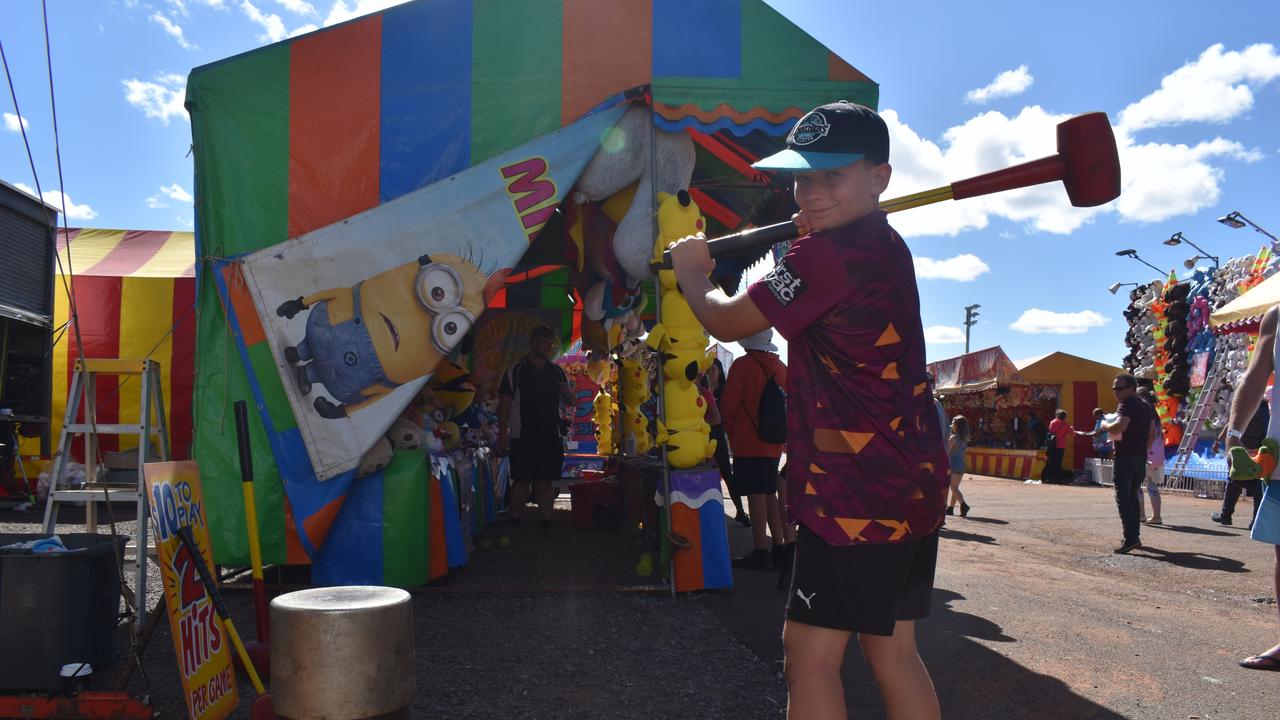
[[1033, 617]]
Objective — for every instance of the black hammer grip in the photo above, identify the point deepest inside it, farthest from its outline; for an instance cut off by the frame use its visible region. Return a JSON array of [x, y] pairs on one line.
[[242, 439], [760, 237]]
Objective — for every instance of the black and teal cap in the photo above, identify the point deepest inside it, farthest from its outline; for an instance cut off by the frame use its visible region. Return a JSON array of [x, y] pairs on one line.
[[832, 136]]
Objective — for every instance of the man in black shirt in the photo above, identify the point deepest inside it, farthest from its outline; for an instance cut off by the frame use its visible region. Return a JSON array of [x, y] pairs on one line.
[[529, 400], [1134, 425]]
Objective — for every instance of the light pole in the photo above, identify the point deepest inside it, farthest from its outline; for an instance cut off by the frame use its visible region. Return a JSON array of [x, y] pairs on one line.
[[1235, 220], [1178, 238], [970, 319], [1134, 254], [1116, 286]]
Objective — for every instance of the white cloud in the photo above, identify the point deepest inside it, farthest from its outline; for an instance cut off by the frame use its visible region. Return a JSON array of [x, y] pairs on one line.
[[1037, 321], [173, 192], [176, 192], [962, 268], [13, 123], [943, 335], [57, 199], [341, 12], [301, 7], [1165, 180], [179, 7], [303, 29], [1215, 87], [1006, 84], [173, 29], [272, 25], [162, 99]]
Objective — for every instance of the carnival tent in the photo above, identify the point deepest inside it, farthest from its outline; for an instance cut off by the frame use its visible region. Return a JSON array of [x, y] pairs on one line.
[[974, 372], [1084, 385], [327, 128], [135, 298], [1247, 309]]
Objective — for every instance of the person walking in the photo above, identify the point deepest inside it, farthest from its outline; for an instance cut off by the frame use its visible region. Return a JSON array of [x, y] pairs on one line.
[[1244, 404], [755, 460], [1251, 440], [1133, 423], [957, 443], [1155, 463], [1060, 430], [529, 428]]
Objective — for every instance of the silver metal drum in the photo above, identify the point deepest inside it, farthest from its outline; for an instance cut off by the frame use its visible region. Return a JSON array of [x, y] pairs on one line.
[[342, 653]]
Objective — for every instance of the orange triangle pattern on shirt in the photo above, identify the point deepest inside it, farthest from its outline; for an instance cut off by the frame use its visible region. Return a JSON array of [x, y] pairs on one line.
[[888, 337], [853, 528], [808, 489], [894, 423], [813, 468], [840, 441], [831, 367], [899, 528], [890, 372], [919, 388]]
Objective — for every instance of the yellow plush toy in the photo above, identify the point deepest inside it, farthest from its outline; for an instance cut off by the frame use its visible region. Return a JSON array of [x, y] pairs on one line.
[[678, 217], [686, 448], [682, 342]]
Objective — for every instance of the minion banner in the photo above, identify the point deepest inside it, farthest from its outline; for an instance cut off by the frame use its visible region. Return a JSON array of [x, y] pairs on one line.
[[358, 314]]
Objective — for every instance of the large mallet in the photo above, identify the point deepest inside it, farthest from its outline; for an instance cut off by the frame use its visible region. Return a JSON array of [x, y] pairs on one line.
[[1087, 164]]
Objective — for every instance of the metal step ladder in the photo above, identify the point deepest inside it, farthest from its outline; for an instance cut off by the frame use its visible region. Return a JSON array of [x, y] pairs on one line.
[[151, 421], [1195, 423]]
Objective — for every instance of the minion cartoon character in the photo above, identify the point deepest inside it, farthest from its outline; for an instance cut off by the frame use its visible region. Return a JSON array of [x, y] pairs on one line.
[[363, 342]]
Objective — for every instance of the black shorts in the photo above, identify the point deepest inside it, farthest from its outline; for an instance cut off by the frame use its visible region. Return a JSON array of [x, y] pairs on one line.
[[755, 475], [536, 460], [861, 588]]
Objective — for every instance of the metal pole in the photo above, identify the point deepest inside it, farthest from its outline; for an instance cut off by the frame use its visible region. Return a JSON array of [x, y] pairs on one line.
[[662, 404]]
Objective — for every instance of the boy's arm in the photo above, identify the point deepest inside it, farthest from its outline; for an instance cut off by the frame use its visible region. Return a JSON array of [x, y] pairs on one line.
[[1248, 394], [727, 318]]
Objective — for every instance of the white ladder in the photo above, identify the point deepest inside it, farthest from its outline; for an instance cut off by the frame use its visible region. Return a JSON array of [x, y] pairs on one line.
[[84, 386], [1195, 422]]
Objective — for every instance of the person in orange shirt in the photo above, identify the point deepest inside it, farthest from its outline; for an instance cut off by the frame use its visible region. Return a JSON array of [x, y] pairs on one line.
[[755, 461]]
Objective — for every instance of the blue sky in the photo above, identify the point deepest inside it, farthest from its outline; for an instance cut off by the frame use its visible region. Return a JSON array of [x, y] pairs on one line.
[[965, 87]]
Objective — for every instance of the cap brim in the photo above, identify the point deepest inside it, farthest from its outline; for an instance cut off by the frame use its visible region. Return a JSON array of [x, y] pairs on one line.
[[799, 160]]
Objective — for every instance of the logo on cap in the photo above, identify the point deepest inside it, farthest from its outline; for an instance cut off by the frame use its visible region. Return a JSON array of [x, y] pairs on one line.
[[811, 128]]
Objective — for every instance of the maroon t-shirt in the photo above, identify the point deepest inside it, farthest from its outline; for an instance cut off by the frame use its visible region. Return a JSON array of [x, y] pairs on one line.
[[865, 458]]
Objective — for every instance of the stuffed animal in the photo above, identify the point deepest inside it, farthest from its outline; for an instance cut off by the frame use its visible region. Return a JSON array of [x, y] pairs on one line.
[[1258, 465], [626, 157]]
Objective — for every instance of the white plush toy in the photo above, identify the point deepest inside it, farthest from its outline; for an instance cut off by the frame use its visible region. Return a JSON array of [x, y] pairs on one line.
[[625, 158]]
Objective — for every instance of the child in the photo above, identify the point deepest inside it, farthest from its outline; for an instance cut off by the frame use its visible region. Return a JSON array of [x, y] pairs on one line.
[[866, 459], [957, 443]]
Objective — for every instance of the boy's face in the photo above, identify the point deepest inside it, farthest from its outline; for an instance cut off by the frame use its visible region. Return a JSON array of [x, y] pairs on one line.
[[832, 198]]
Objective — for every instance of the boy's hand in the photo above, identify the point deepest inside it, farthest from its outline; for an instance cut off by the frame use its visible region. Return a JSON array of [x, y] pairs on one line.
[[801, 219], [690, 255]]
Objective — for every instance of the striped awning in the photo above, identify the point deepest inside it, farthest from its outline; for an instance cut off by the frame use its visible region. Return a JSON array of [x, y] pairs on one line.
[[127, 253]]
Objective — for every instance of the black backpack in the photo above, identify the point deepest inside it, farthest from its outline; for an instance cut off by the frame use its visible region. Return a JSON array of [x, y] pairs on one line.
[[771, 415]]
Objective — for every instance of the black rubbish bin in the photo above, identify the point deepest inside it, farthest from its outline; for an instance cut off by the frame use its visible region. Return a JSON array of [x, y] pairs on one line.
[[56, 608]]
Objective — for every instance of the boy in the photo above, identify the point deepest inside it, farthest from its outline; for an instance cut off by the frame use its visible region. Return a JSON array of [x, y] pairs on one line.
[[867, 468]]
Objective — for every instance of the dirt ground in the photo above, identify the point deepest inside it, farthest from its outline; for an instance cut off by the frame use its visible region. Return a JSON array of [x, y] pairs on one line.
[[1033, 617]]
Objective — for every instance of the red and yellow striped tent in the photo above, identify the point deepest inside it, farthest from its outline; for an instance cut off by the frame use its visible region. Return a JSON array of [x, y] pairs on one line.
[[135, 297]]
